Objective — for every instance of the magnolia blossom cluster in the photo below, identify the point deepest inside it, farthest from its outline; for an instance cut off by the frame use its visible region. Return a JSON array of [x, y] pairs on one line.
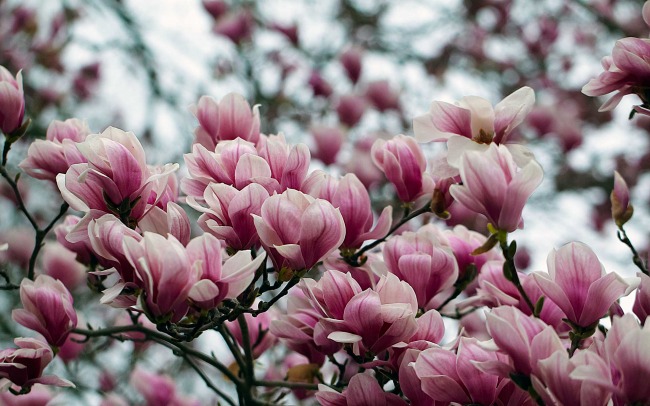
[[367, 289]]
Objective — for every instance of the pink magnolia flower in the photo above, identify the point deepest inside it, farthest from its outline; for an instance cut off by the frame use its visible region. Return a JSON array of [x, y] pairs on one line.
[[371, 320], [350, 108], [47, 158], [578, 284], [12, 101], [173, 220], [382, 96], [495, 187], [423, 261], [363, 389], [462, 242], [641, 305], [626, 71], [448, 377], [81, 248], [105, 236], [351, 198], [228, 213], [228, 119], [24, 366], [402, 161], [328, 142], [237, 25], [219, 281], [495, 290], [296, 328], [164, 271], [622, 209], [352, 63], [115, 179], [47, 309], [60, 263], [524, 339], [297, 230], [556, 385], [319, 85], [622, 368], [473, 124], [289, 163], [158, 390]]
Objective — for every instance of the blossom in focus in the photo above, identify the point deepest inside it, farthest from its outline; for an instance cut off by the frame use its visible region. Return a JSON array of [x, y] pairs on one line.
[[47, 158], [495, 187], [351, 198], [623, 366], [473, 124], [578, 284], [561, 388], [524, 339], [297, 230], [115, 179], [12, 101], [449, 377], [228, 213], [47, 309], [423, 261], [219, 281], [227, 119], [626, 71], [164, 271], [23, 366], [372, 320], [403, 162]]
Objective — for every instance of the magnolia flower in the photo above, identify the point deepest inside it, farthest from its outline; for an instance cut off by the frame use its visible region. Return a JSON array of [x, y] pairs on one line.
[[23, 366], [47, 158], [623, 365], [228, 119], [12, 101], [578, 284], [60, 263], [423, 261], [363, 389], [626, 71], [297, 230], [228, 213], [371, 320], [402, 161], [158, 389], [219, 281], [47, 309], [448, 377], [164, 271], [473, 124], [351, 198], [622, 209], [115, 179], [524, 339], [495, 187], [328, 142]]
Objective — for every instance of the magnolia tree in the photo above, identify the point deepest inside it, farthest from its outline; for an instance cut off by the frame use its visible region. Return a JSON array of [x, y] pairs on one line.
[[251, 277]]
